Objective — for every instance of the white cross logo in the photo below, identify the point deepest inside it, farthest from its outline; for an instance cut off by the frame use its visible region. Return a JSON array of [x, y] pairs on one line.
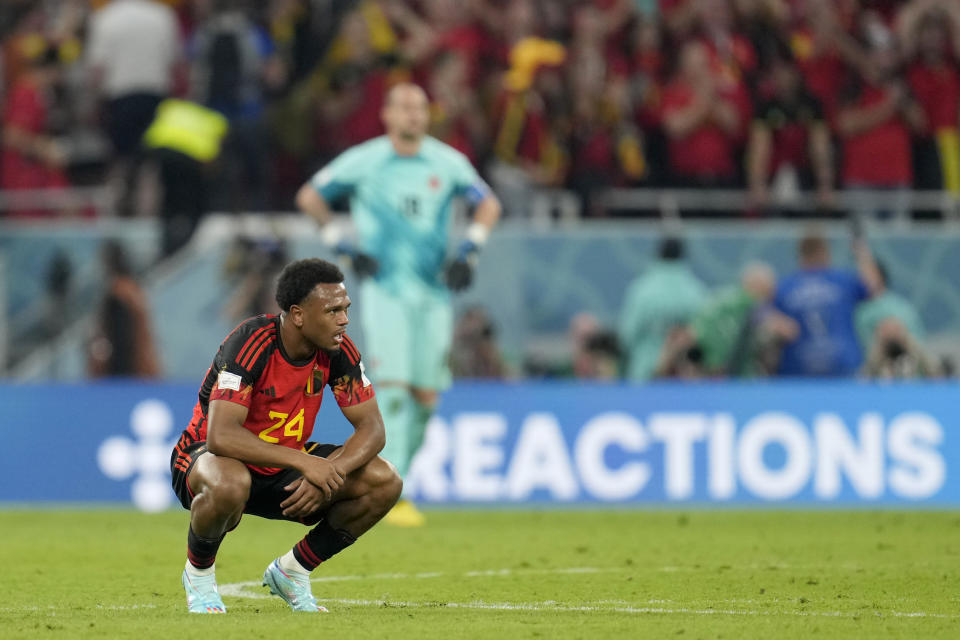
[[119, 457]]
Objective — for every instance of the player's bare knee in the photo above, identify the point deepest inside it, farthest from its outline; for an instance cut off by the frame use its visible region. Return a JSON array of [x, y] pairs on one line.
[[386, 481], [229, 492], [380, 478]]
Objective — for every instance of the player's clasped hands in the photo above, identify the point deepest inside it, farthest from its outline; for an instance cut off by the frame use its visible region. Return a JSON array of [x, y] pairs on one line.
[[319, 483]]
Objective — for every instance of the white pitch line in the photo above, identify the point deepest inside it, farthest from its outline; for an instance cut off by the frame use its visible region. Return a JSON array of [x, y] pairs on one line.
[[546, 605], [102, 607], [238, 589], [553, 606]]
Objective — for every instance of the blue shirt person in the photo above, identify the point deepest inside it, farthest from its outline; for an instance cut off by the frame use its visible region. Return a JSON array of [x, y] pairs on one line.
[[822, 300]]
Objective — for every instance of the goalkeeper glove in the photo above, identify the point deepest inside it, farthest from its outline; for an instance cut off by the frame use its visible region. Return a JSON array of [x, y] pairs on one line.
[[363, 264], [459, 271], [459, 274]]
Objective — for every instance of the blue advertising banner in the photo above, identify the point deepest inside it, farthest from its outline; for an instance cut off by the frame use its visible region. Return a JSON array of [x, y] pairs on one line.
[[776, 443]]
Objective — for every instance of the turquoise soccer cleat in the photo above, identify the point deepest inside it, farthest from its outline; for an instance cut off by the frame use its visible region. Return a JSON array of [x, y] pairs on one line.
[[292, 587], [202, 594]]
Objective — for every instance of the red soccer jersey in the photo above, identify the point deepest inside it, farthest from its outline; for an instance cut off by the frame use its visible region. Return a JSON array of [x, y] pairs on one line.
[[282, 395], [879, 156], [26, 108], [937, 89], [705, 152]]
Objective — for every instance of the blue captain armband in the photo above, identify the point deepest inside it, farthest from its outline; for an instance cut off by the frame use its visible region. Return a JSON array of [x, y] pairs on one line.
[[476, 192]]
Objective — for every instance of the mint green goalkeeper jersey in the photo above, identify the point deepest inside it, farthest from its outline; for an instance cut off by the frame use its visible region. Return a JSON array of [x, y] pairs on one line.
[[402, 206]]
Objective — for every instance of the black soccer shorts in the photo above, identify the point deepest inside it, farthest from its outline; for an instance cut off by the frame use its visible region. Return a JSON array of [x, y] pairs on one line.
[[266, 492]]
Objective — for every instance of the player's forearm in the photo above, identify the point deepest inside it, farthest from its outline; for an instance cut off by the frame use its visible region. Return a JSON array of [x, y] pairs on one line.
[[680, 123], [488, 212], [313, 204], [233, 441], [725, 116], [362, 446], [853, 121], [867, 267]]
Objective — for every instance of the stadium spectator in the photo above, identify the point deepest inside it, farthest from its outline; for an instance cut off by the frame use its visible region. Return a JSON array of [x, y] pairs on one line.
[[701, 121], [234, 65], [605, 150], [739, 332], [822, 300], [933, 76], [455, 114], [133, 50], [602, 357], [509, 24], [529, 149], [818, 44], [681, 357], [789, 146], [355, 75], [33, 158], [474, 354], [875, 120], [731, 52], [595, 350], [666, 296], [122, 343], [446, 27], [648, 60]]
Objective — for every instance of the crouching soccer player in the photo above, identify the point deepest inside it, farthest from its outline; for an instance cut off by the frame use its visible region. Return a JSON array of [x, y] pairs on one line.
[[247, 449]]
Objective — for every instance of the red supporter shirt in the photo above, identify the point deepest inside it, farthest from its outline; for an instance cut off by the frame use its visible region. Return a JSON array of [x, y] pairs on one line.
[[823, 72], [937, 89], [282, 395], [705, 152], [881, 156], [26, 109]]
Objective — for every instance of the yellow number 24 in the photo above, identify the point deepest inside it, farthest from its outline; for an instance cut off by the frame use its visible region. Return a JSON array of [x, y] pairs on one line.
[[293, 427]]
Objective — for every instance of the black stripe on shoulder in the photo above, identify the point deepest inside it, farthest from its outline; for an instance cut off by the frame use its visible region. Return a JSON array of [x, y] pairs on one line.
[[350, 349], [244, 340], [256, 360]]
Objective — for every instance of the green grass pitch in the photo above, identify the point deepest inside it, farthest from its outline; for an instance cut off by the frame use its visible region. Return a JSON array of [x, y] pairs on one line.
[[500, 574]]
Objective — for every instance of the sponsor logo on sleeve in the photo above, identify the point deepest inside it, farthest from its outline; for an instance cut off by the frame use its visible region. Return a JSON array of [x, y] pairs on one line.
[[227, 380]]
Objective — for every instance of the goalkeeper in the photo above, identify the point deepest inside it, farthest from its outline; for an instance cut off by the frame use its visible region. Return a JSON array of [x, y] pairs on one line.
[[401, 187]]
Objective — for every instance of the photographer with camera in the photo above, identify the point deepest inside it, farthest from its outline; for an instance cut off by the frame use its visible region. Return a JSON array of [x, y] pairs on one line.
[[895, 354]]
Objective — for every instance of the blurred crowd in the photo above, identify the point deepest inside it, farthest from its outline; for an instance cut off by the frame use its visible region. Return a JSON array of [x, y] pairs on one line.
[[774, 96], [187, 106], [819, 321]]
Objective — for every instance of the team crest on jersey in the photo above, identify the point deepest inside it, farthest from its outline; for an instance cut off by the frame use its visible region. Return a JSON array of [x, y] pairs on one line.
[[434, 182], [314, 383]]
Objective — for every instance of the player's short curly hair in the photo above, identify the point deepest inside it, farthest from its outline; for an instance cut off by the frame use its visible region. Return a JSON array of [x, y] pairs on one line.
[[298, 279]]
